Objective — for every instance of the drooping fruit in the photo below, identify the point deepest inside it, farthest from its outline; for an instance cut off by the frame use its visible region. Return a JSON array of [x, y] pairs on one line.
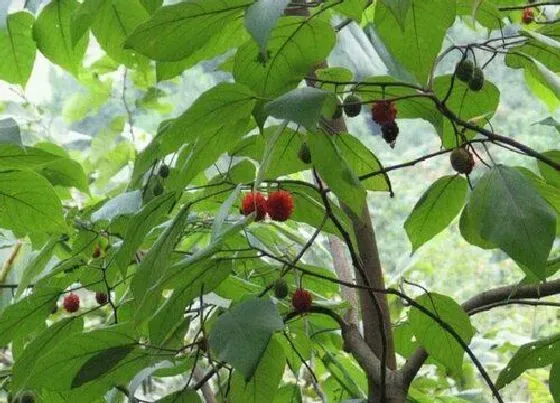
[[477, 80], [158, 189], [71, 303], [352, 105], [464, 70], [304, 154], [280, 205], [302, 300], [462, 160], [280, 288], [390, 131], [383, 112], [528, 16], [254, 201], [164, 171], [101, 298]]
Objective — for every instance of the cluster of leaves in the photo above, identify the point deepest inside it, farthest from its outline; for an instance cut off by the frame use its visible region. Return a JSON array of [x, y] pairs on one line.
[[170, 241]]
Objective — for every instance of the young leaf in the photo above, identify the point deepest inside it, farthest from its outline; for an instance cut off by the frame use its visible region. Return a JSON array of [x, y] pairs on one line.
[[240, 336], [435, 210], [440, 344], [17, 48]]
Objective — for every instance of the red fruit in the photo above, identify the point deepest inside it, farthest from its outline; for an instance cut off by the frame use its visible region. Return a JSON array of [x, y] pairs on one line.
[[383, 112], [254, 201], [302, 300], [101, 298], [280, 205], [71, 303], [528, 16]]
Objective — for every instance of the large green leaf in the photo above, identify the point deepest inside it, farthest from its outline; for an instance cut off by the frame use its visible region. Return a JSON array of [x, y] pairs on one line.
[[13, 156], [467, 105], [240, 336], [554, 381], [441, 345], [100, 364], [52, 34], [537, 354], [335, 171], [36, 266], [296, 45], [26, 315], [264, 383], [506, 210], [435, 210], [124, 203], [184, 396], [551, 175], [29, 203], [82, 19], [399, 9], [63, 171], [417, 44], [175, 32], [261, 18], [115, 20], [17, 48]]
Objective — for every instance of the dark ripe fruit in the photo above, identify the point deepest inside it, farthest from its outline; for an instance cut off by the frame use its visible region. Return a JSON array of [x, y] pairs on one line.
[[462, 160], [304, 154], [25, 397], [280, 205], [158, 189], [383, 112], [477, 80], [164, 171], [352, 105], [96, 252], [337, 112], [280, 288], [528, 16], [390, 131], [71, 303], [101, 298], [254, 201], [302, 300], [464, 70]]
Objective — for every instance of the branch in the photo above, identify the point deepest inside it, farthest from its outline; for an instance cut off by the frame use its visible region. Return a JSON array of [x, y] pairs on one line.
[[544, 3]]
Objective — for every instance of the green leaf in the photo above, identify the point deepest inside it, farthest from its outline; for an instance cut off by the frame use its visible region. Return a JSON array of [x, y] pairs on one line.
[[554, 381], [335, 171], [29, 203], [175, 32], [419, 40], [399, 9], [13, 156], [36, 266], [224, 212], [362, 161], [262, 17], [82, 19], [63, 171], [470, 233], [435, 210], [184, 396], [264, 383], [506, 210], [537, 354], [100, 364], [301, 105], [467, 105], [289, 393], [295, 46], [115, 21], [352, 9], [17, 48], [52, 34], [139, 226], [25, 316], [124, 203], [56, 334], [240, 336], [151, 5], [441, 345], [551, 175]]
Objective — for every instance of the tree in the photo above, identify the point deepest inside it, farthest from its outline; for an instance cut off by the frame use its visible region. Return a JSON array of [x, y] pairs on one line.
[[225, 201]]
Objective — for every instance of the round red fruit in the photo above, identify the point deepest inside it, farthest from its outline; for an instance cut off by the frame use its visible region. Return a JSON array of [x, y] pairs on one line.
[[280, 205], [302, 300], [101, 298], [254, 201], [528, 16], [71, 303], [383, 112]]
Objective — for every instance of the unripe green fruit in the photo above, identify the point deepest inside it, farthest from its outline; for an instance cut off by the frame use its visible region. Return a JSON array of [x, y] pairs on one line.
[[464, 70], [158, 189], [352, 105], [280, 288], [164, 171], [25, 397], [477, 80], [462, 160], [304, 154]]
